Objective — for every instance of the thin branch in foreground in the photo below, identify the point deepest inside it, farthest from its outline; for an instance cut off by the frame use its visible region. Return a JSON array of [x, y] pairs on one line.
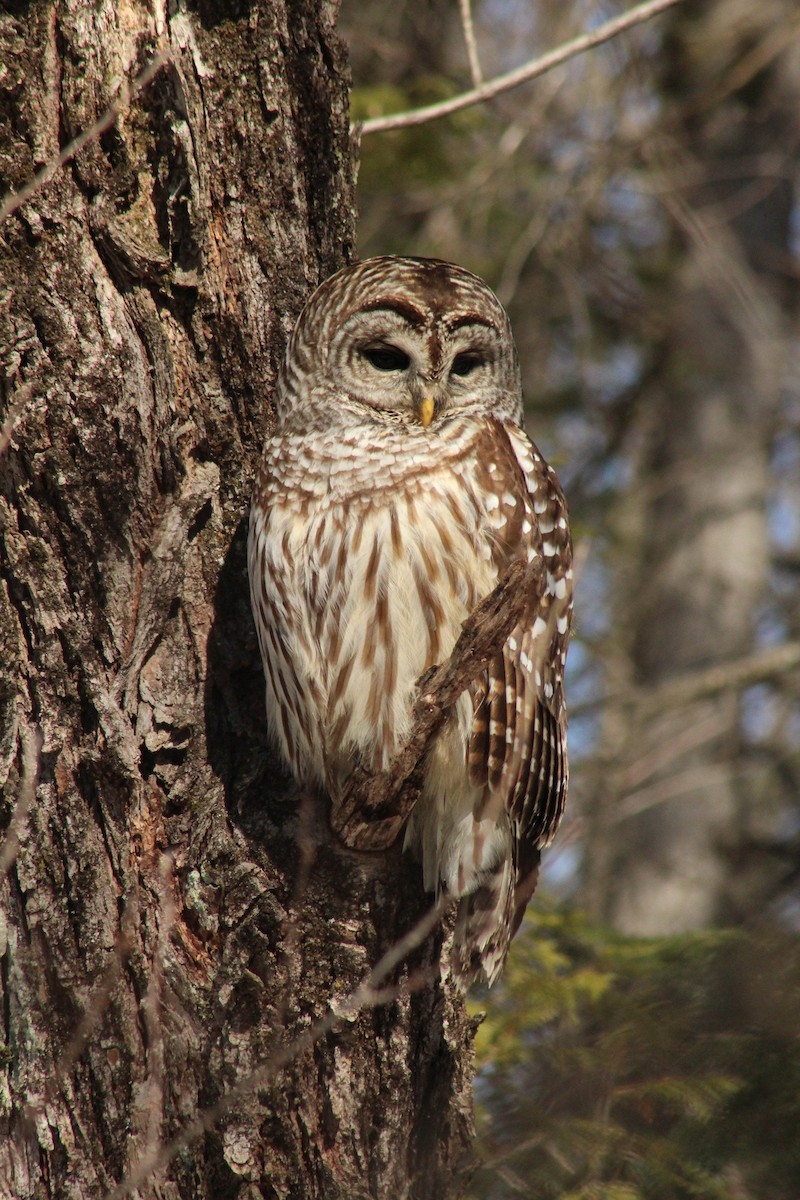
[[99, 1002], [31, 740], [530, 70], [18, 401], [127, 94], [465, 8], [375, 805], [367, 995]]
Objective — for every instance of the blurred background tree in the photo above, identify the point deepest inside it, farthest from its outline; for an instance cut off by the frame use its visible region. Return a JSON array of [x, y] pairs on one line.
[[637, 212]]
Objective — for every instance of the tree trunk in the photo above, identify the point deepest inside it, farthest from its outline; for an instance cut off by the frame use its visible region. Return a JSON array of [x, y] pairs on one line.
[[175, 917], [668, 844]]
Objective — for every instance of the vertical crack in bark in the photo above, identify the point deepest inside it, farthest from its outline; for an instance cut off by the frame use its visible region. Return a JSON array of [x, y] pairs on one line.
[[143, 347]]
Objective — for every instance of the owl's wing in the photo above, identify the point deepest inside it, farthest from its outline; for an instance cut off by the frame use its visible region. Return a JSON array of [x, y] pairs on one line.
[[518, 751]]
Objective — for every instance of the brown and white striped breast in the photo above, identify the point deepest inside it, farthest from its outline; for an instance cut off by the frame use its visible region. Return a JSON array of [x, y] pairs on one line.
[[370, 559]]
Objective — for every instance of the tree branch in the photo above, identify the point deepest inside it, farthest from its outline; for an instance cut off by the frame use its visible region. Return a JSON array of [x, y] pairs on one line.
[[530, 70], [127, 94], [367, 995], [741, 673], [375, 806], [465, 8]]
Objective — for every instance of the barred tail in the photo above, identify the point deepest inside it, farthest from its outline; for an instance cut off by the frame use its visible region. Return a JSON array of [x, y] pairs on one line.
[[488, 918]]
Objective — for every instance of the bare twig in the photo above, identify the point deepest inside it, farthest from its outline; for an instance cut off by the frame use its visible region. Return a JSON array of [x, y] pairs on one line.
[[496, 1160], [742, 673], [530, 70], [696, 778], [18, 401], [745, 67], [127, 93], [465, 8], [734, 676], [366, 995], [31, 752], [729, 279], [97, 1005], [375, 806]]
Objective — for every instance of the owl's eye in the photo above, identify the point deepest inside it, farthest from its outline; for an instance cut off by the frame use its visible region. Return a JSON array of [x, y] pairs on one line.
[[465, 364], [386, 358]]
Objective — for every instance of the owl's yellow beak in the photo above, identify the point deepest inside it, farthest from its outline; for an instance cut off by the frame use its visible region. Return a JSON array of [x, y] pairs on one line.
[[426, 411]]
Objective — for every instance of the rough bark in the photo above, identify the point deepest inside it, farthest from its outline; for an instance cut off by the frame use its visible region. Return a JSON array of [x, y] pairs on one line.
[[668, 843], [170, 923]]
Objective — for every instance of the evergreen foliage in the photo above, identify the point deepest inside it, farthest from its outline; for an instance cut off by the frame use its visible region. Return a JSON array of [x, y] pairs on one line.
[[641, 1069]]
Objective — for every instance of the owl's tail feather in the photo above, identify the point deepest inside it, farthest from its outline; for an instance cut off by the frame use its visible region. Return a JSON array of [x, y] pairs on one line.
[[487, 920]]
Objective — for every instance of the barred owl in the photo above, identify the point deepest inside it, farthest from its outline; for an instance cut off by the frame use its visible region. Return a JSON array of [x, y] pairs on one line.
[[397, 487]]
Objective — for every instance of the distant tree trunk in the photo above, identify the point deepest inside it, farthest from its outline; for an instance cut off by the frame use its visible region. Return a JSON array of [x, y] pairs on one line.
[[667, 849], [169, 924]]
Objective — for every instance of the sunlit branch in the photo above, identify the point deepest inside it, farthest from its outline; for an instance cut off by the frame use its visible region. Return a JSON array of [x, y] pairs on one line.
[[465, 8], [367, 995], [742, 673], [31, 757], [127, 93], [760, 667], [530, 70]]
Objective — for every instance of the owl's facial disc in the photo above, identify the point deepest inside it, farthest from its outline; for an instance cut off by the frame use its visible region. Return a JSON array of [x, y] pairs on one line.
[[377, 359], [391, 360], [415, 365]]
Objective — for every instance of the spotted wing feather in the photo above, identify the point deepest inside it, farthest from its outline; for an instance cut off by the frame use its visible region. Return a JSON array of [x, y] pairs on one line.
[[518, 748]]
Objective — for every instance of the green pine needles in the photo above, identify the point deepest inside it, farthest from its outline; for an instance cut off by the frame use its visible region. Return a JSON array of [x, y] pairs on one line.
[[614, 1068]]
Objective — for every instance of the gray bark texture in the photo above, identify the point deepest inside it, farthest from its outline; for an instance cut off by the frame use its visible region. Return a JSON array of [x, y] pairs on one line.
[[170, 923]]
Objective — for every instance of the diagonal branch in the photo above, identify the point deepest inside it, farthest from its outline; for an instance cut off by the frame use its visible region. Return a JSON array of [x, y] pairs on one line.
[[530, 70], [127, 94], [722, 677], [375, 806], [762, 666], [468, 27], [368, 994]]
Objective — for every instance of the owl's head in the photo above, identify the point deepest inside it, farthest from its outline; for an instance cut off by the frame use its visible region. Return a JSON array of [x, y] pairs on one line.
[[412, 341]]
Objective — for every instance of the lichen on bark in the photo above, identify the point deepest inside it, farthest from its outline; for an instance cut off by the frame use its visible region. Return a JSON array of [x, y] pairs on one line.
[[156, 946]]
